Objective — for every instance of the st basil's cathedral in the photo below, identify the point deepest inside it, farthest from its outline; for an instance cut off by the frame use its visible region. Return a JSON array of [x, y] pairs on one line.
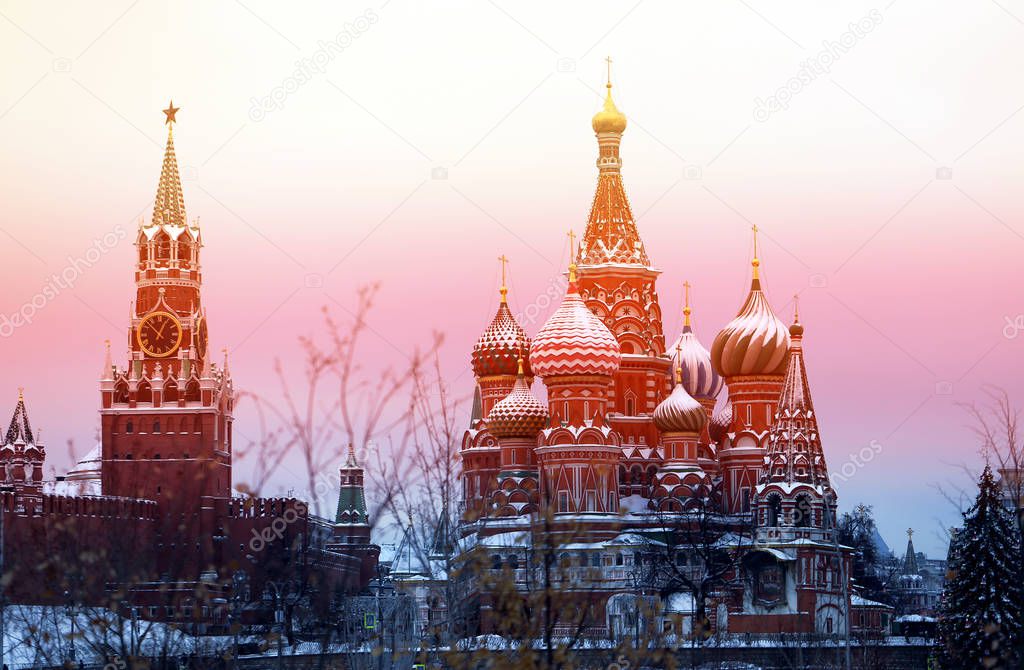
[[629, 449]]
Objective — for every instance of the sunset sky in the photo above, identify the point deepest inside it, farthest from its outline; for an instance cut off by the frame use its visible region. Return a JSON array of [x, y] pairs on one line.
[[434, 137]]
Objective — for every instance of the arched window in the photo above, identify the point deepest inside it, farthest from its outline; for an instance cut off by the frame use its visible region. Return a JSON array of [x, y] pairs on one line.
[[804, 511], [129, 427], [496, 562], [171, 391], [156, 426], [620, 559], [513, 562], [192, 391], [145, 392], [774, 511]]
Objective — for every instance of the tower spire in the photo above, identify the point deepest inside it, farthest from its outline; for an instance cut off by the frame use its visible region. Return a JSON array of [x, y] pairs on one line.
[[756, 262], [686, 307], [504, 288], [169, 204]]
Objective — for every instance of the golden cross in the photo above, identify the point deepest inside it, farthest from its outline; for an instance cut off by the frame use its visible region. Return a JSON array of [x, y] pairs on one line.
[[754, 228], [572, 243], [796, 307], [609, 61], [504, 260], [21, 393], [686, 285], [910, 533]]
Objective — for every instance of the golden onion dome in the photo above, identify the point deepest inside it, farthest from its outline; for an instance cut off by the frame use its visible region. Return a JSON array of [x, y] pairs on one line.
[[609, 119], [679, 412], [519, 414]]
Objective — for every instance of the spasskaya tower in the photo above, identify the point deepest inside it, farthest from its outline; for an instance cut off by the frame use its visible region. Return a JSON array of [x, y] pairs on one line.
[[166, 416]]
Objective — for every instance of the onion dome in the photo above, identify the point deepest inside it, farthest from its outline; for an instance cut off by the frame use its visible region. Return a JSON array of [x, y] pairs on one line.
[[499, 347], [609, 119], [720, 423], [756, 342], [699, 377], [679, 412], [574, 341], [519, 414]]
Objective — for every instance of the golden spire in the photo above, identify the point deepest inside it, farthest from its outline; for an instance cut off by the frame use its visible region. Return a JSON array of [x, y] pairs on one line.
[[679, 363], [756, 262], [796, 329], [686, 308], [169, 203], [609, 119], [504, 289], [572, 256], [796, 308], [21, 394]]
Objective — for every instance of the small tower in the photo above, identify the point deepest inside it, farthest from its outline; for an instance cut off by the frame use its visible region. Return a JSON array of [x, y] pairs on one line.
[[577, 357], [682, 422], [495, 366], [750, 352], [698, 375], [794, 493], [351, 523], [22, 454], [516, 421]]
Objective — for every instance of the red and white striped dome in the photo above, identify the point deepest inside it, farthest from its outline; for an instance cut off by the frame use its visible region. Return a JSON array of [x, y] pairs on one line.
[[574, 341], [680, 413]]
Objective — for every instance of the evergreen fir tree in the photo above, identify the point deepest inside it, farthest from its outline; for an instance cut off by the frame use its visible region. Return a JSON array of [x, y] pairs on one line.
[[981, 621]]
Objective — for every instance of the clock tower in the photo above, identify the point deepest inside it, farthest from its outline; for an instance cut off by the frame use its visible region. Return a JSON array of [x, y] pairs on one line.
[[166, 415]]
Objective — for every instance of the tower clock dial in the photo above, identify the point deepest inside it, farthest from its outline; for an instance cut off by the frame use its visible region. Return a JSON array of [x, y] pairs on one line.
[[202, 337], [159, 334]]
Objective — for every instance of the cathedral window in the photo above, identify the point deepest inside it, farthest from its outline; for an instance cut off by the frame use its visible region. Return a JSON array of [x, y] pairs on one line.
[[563, 501], [156, 426], [129, 428], [620, 559], [496, 562], [745, 497]]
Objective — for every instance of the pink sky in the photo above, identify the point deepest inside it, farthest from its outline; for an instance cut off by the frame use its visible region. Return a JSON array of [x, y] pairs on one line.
[[907, 280]]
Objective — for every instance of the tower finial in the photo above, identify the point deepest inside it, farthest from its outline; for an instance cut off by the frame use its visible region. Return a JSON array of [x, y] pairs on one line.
[[679, 363], [608, 60], [796, 308], [520, 362], [504, 289], [169, 113], [572, 256], [756, 262], [21, 394], [686, 306]]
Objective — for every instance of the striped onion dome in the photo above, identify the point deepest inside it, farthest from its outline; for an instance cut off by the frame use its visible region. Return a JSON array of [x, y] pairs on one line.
[[679, 412], [720, 423], [519, 414], [574, 341], [756, 342], [501, 344], [699, 377]]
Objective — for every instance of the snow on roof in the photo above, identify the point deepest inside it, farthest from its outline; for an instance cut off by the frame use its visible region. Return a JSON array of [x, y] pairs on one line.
[[860, 601]]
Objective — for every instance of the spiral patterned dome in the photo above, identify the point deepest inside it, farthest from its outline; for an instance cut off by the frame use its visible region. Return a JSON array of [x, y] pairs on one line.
[[501, 345], [574, 341], [699, 376], [519, 414], [679, 413], [756, 342], [720, 423]]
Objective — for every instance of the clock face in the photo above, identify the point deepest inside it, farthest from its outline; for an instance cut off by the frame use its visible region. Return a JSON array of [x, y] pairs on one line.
[[202, 338], [159, 334]]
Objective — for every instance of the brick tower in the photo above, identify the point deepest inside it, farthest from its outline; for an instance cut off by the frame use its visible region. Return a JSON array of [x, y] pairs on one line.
[[166, 417]]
